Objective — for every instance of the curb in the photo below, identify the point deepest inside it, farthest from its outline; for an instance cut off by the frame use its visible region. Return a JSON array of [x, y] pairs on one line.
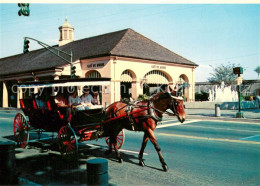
[[10, 109]]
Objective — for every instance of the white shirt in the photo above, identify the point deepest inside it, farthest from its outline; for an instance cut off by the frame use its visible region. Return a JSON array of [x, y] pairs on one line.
[[73, 100], [87, 99]]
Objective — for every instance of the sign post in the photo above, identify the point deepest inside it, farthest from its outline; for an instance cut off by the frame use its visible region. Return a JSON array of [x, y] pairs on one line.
[[238, 71]]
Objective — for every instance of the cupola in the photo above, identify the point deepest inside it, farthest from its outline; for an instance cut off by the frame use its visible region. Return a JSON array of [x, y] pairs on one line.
[[66, 33]]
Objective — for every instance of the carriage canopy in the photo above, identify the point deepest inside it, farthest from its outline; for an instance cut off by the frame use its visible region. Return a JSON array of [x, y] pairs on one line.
[[66, 83]]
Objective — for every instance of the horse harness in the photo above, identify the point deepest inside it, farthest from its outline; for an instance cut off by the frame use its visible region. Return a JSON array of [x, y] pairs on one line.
[[151, 113], [150, 109]]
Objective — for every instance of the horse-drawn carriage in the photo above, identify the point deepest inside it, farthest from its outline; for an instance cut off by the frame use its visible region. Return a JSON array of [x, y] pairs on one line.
[[96, 122], [72, 125]]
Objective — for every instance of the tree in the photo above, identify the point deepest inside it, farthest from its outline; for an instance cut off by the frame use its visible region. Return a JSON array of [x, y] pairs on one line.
[[257, 70], [223, 73]]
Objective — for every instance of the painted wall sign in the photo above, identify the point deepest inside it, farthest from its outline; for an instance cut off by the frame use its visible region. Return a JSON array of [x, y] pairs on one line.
[[96, 65], [158, 67]]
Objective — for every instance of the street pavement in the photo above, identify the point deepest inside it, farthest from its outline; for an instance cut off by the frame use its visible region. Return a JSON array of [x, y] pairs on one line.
[[205, 150]]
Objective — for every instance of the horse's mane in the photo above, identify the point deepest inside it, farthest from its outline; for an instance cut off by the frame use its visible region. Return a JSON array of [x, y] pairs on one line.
[[160, 95]]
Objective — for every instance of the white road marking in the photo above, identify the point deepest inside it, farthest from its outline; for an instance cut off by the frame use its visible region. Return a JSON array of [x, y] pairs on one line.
[[210, 139], [250, 137], [6, 118], [176, 124], [121, 150], [222, 128], [129, 151]]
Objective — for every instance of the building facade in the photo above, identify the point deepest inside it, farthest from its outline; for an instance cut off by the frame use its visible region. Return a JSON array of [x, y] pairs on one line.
[[135, 64]]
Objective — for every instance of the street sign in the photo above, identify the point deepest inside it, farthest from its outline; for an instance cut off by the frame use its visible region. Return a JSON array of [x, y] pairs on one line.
[[238, 70], [239, 80]]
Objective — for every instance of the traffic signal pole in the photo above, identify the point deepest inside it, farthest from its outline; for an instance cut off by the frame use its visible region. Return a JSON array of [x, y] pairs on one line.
[[239, 97], [239, 71], [57, 52]]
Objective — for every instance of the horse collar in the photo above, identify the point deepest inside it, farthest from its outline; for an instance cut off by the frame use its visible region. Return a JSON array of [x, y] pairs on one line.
[[152, 112]]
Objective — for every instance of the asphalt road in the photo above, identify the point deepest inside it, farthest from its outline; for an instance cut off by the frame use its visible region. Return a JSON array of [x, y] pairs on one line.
[[197, 153]]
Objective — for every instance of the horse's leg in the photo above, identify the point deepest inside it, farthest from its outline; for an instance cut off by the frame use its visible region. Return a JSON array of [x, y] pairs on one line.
[[114, 142], [109, 151], [140, 156], [157, 147], [117, 153]]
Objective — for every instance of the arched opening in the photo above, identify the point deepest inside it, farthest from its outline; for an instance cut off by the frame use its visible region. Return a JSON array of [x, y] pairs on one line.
[[183, 82], [93, 74], [126, 86], [153, 80]]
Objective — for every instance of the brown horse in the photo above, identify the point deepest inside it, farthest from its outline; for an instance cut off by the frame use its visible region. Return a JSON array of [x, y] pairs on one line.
[[142, 116]]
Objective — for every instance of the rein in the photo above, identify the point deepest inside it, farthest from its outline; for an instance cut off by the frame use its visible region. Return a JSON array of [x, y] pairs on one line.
[[118, 117]]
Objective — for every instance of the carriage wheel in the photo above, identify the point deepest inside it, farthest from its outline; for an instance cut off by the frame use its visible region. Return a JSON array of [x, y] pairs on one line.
[[68, 143], [21, 130], [120, 139]]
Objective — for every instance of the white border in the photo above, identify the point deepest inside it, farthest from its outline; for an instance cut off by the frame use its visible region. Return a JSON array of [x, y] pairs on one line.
[[136, 1]]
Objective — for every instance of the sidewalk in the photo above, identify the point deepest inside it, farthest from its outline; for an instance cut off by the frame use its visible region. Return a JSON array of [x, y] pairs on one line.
[[250, 114]]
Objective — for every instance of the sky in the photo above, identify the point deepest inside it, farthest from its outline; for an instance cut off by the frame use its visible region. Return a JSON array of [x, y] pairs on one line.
[[207, 34]]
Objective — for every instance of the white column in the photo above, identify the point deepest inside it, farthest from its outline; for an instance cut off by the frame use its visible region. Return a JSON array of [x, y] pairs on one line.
[[139, 89], [5, 95], [134, 90], [117, 91], [193, 86], [35, 90], [19, 96]]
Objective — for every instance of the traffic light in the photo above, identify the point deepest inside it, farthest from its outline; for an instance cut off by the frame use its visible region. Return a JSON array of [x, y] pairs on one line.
[[24, 9], [72, 71], [26, 46]]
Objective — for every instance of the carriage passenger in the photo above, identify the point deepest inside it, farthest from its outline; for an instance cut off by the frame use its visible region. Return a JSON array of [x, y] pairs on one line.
[[86, 97], [88, 100], [74, 99]]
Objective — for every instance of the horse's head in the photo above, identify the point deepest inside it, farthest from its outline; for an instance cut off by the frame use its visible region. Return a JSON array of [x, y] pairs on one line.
[[177, 106], [167, 100]]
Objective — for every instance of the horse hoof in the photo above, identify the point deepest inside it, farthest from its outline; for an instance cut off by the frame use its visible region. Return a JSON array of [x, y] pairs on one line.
[[120, 160], [165, 168], [141, 163]]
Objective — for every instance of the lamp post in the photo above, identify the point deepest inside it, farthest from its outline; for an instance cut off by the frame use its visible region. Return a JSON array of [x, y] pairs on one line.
[[239, 71]]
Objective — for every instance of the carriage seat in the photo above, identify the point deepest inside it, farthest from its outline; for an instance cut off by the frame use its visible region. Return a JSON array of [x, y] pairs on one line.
[[28, 104], [54, 109]]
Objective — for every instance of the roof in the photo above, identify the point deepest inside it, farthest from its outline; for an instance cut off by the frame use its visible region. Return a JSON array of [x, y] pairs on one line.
[[126, 43]]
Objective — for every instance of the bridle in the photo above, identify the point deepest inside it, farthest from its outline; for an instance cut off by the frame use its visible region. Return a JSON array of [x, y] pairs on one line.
[[173, 105], [176, 103]]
